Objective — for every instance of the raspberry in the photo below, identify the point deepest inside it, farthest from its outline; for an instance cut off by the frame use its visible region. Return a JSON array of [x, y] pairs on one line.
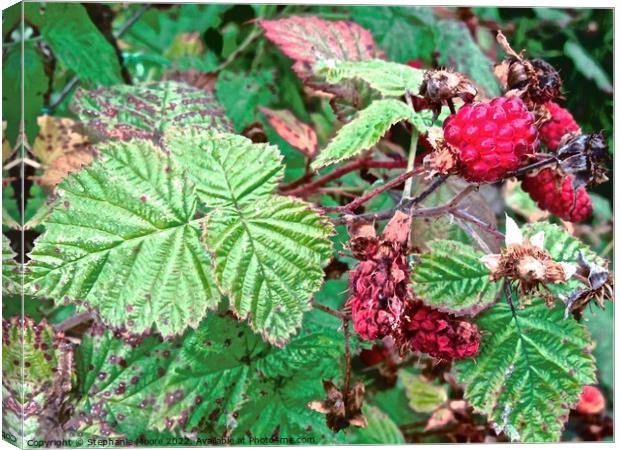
[[492, 138], [560, 124], [438, 334], [591, 401], [554, 193]]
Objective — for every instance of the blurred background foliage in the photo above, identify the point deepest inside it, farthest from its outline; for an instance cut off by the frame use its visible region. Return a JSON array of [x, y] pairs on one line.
[[97, 44]]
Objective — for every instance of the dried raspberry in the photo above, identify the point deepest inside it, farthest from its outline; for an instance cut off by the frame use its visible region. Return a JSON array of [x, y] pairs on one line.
[[378, 284], [560, 124], [438, 334], [492, 138], [555, 193]]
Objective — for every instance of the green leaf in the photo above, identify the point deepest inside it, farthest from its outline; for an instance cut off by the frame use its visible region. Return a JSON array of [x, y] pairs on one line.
[[268, 250], [452, 278], [76, 41], [11, 276], [219, 379], [122, 240], [228, 169], [268, 259], [601, 325], [458, 50], [390, 79], [36, 374], [423, 395], [530, 370], [242, 94], [588, 66], [366, 129], [380, 430], [148, 110]]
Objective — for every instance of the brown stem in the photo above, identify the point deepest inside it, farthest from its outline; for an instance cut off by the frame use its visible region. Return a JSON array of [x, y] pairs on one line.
[[352, 206], [334, 312], [531, 167], [347, 358], [74, 321], [464, 215], [358, 164]]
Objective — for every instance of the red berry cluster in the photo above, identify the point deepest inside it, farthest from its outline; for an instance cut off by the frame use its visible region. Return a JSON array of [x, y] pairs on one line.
[[382, 304], [554, 192], [492, 138], [560, 123]]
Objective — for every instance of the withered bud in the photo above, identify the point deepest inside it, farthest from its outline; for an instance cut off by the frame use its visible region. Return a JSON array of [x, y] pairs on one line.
[[341, 413], [598, 286], [584, 158], [443, 159], [440, 87]]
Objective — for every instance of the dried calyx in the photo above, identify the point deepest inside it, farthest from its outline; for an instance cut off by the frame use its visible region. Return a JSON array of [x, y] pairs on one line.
[[341, 412], [598, 286], [440, 87], [583, 158], [526, 262]]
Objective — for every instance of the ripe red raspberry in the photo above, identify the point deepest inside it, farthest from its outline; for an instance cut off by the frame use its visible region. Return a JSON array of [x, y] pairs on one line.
[[554, 193], [560, 124], [438, 334], [492, 138], [591, 401]]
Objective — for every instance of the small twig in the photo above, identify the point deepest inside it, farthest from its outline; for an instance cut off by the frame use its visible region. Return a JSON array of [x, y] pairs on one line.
[[306, 189], [531, 167], [334, 312], [413, 146], [74, 321], [347, 358], [256, 32], [464, 215]]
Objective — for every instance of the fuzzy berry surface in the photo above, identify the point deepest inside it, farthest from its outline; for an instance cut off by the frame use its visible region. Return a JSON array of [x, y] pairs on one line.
[[492, 138], [438, 334], [561, 123], [555, 193]]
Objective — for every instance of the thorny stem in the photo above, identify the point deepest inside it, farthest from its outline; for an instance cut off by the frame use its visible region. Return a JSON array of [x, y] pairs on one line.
[[334, 312], [358, 164], [351, 206]]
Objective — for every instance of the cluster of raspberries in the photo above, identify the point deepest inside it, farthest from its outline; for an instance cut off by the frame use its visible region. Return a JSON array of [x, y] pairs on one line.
[[383, 305], [493, 138]]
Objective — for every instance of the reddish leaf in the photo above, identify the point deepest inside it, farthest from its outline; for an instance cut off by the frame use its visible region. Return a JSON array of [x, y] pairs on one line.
[[310, 39], [292, 130]]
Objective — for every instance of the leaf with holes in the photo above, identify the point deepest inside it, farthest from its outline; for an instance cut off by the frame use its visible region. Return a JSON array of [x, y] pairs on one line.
[[123, 240], [269, 250], [147, 110], [292, 130], [390, 79], [36, 376], [239, 384], [451, 278], [530, 370], [367, 129]]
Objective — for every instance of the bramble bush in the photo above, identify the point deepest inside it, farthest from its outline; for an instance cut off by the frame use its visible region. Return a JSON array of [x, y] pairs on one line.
[[307, 225]]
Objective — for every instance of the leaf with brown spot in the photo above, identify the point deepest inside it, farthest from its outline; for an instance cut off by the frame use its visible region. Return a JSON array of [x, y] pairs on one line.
[[292, 130], [57, 137]]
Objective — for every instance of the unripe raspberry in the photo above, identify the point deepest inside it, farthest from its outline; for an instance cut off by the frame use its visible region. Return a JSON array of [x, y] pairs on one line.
[[438, 334], [492, 138], [554, 192], [560, 124]]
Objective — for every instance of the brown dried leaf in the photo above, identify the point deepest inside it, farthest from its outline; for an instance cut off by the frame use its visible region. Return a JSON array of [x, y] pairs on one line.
[[64, 165], [292, 130], [58, 136]]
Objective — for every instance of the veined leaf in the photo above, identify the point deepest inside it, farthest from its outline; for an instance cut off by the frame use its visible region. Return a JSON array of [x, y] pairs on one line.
[[269, 250], [76, 41], [366, 130], [390, 79], [11, 276], [380, 429], [588, 66], [148, 110], [451, 277], [292, 130], [220, 378], [268, 258], [228, 169], [423, 395], [530, 370], [36, 374], [122, 240]]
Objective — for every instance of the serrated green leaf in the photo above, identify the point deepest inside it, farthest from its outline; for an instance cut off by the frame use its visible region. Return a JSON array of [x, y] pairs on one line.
[[11, 276], [530, 370], [424, 396], [588, 66], [452, 278], [228, 170], [220, 378], [36, 373], [122, 240], [458, 50], [390, 79], [366, 129], [268, 259], [147, 110], [380, 430], [76, 41]]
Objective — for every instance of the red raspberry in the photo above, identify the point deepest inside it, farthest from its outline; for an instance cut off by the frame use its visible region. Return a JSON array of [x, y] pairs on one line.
[[492, 138], [591, 401], [554, 193], [438, 334], [560, 124]]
